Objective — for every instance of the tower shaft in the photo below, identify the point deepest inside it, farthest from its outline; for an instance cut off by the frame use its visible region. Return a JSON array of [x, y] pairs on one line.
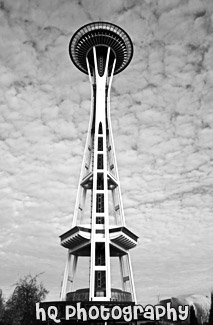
[[100, 283]]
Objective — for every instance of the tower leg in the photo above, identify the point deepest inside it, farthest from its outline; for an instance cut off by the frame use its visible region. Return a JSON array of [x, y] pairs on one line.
[[65, 279], [122, 272], [72, 276], [131, 277], [68, 278]]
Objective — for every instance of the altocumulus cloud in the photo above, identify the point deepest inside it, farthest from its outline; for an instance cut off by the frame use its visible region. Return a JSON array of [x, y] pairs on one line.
[[163, 128]]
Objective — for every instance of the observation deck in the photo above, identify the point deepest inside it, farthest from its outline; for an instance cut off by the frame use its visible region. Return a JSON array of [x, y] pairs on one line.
[[101, 35]]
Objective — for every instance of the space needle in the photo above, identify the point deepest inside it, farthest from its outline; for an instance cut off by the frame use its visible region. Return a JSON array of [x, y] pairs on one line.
[[98, 233]]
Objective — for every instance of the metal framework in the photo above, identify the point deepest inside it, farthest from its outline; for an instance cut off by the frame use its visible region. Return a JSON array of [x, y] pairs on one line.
[[98, 231]]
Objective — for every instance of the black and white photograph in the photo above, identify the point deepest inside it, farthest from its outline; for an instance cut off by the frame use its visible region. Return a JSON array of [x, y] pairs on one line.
[[106, 160]]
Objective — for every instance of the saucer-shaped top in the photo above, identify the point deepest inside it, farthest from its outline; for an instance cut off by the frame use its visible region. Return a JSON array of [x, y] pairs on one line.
[[101, 35]]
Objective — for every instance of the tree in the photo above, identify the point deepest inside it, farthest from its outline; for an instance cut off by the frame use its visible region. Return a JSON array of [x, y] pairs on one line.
[[20, 307], [211, 311], [1, 307], [193, 318]]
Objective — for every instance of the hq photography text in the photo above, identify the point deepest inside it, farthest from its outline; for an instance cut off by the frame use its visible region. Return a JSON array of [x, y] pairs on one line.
[[127, 313]]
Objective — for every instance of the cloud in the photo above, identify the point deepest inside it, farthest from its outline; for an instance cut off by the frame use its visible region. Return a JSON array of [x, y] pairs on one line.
[[161, 109]]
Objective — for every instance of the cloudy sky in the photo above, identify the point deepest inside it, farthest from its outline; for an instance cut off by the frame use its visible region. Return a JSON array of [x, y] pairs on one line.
[[162, 119]]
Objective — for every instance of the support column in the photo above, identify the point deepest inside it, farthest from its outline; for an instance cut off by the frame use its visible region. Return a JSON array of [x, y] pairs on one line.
[[65, 279], [100, 279]]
